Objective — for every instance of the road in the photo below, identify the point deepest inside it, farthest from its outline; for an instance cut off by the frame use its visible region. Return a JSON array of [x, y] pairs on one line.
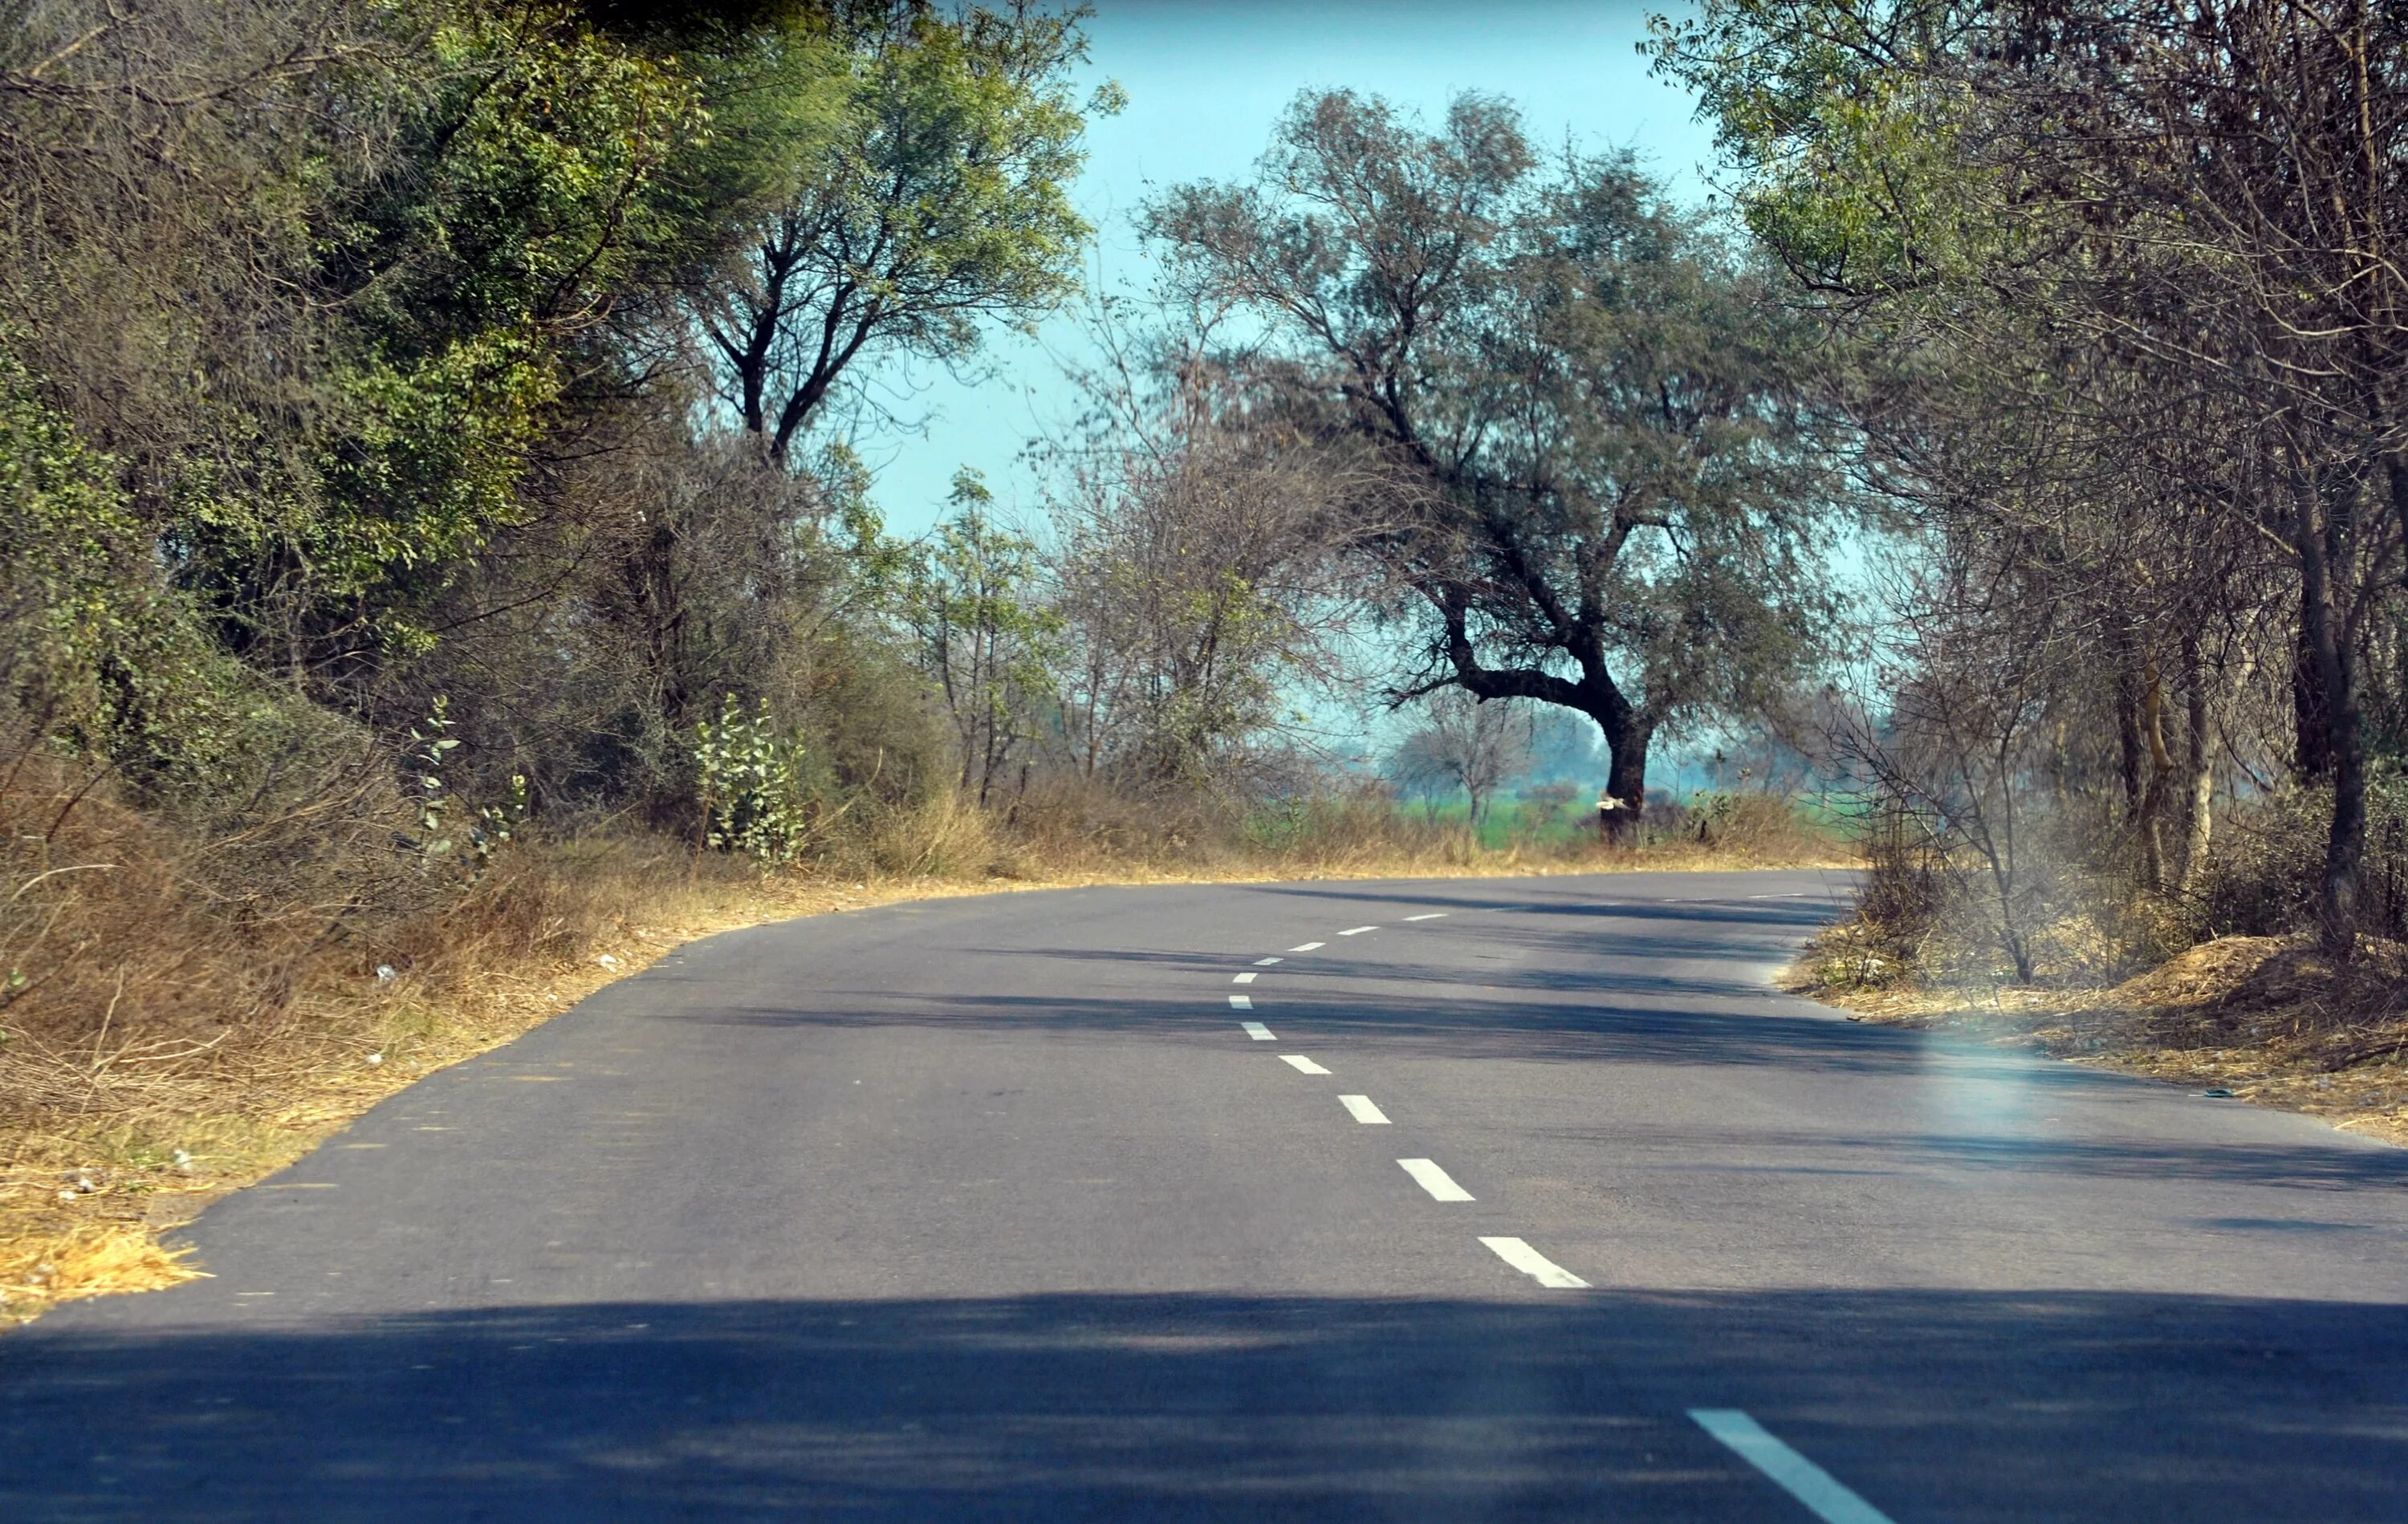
[[1520, 1199]]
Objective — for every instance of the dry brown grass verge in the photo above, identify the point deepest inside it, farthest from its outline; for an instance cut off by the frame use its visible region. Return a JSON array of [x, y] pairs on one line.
[[113, 1139], [2269, 1020]]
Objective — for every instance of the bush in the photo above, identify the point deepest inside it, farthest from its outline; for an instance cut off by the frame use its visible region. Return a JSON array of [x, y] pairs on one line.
[[2263, 879], [752, 779]]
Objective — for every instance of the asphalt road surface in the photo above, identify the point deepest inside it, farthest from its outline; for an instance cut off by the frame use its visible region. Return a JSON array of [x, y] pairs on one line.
[[1519, 1200]]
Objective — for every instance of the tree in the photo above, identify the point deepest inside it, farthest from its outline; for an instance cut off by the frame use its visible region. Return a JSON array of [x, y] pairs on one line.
[[1603, 486], [317, 277], [2165, 226], [938, 201], [1465, 743], [1193, 573], [983, 637]]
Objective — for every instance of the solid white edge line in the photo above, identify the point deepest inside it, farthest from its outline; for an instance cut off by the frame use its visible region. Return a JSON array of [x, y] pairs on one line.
[[1534, 1264], [1809, 1484], [1439, 1184], [1241, 1003], [1243, 978], [1302, 1064], [1308, 946], [1264, 963], [1257, 1031], [1435, 915], [1357, 931], [1362, 1110]]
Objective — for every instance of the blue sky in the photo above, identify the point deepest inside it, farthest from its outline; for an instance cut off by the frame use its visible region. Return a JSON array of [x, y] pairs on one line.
[[1206, 79]]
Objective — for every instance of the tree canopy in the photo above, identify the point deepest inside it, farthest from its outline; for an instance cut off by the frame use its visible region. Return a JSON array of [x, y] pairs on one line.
[[1603, 486]]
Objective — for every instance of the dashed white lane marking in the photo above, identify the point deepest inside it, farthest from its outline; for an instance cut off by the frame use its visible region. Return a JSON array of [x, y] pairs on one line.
[[1264, 963], [1829, 1498], [1435, 915], [1241, 1003], [1243, 978], [1797, 895], [1357, 931], [1303, 1065], [1439, 1184], [1256, 1031], [1362, 1110], [1308, 946], [1534, 1264]]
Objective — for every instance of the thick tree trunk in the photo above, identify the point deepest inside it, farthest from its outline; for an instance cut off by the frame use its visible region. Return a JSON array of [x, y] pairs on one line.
[[1626, 766], [2322, 630], [2311, 717]]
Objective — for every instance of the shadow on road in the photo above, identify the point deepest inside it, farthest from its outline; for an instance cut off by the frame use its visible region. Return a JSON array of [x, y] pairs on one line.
[[1935, 1406]]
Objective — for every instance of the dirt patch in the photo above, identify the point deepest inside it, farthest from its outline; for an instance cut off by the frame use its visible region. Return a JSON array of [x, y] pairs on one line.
[[2269, 1020]]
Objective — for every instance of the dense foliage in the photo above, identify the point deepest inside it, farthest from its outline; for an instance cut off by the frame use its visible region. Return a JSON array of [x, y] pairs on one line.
[[361, 355], [2128, 347]]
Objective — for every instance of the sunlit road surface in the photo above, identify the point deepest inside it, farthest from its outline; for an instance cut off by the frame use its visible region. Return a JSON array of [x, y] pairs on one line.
[[1455, 1200]]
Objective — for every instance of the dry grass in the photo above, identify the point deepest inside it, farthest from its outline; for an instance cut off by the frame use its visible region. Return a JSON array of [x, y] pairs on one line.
[[174, 1041], [2269, 1020]]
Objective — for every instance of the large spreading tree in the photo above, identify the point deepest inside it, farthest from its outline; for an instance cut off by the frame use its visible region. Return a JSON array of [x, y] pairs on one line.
[[1603, 485]]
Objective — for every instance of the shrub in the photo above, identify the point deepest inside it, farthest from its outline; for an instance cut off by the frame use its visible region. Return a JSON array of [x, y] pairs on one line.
[[752, 780]]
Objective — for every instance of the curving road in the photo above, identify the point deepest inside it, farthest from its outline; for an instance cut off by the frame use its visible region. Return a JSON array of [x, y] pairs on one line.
[[1434, 1200]]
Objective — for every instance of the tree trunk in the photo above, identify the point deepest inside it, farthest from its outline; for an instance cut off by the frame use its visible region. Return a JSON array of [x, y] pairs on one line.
[[2153, 794], [2199, 766], [2127, 728], [1625, 775], [2321, 622], [2311, 716]]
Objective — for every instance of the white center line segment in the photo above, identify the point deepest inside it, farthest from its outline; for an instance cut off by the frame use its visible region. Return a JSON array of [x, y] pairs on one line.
[[1243, 978], [1435, 915], [1829, 1498], [1264, 963], [1439, 1184], [1303, 1065], [1357, 931], [1241, 1003], [1256, 1031], [1362, 1110], [1534, 1264], [1308, 946]]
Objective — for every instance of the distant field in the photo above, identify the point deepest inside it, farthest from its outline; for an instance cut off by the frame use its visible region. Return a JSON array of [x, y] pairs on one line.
[[1514, 820]]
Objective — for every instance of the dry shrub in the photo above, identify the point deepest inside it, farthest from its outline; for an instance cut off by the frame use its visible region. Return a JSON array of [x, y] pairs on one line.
[[1754, 827], [1074, 819], [1340, 832], [2271, 855], [137, 947], [946, 836], [189, 995]]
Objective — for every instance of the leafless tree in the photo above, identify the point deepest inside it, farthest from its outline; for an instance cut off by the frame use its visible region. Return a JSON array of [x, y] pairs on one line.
[[1466, 743]]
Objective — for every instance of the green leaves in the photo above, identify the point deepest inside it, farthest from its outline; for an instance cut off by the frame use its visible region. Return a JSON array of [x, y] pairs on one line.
[[752, 784], [983, 635], [1599, 418], [937, 200]]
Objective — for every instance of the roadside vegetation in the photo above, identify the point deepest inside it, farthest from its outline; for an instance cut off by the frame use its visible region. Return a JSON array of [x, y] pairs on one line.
[[2114, 308]]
